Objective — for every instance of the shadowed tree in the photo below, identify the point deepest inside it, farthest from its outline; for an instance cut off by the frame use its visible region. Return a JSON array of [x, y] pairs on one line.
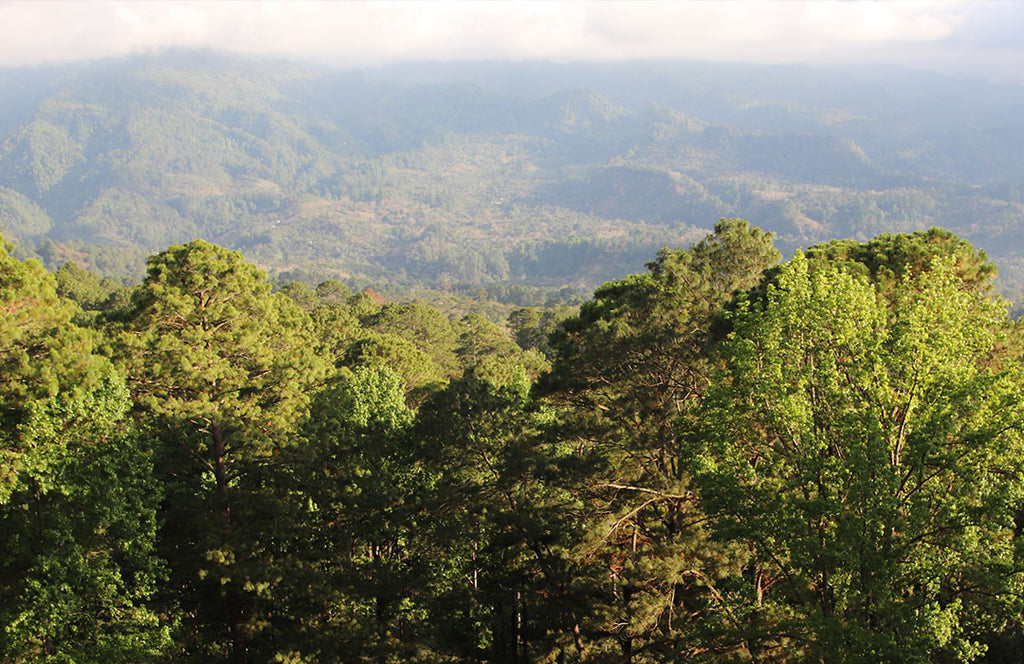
[[359, 583], [636, 358], [497, 526]]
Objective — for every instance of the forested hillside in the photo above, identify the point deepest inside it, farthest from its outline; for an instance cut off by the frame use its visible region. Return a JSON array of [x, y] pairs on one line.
[[538, 174], [723, 458]]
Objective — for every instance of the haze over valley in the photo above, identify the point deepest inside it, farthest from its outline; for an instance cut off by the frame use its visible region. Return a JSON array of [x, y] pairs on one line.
[[551, 175]]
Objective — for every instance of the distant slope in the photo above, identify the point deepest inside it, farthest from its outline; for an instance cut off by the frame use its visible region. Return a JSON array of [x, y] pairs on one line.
[[543, 174]]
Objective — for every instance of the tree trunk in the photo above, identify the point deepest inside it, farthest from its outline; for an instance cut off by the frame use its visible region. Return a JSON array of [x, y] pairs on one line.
[[236, 620]]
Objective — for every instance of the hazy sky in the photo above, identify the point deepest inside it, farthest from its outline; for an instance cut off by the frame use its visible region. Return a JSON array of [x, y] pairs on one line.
[[957, 35]]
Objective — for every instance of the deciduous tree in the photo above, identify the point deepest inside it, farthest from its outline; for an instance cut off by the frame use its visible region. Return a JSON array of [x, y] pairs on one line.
[[869, 458], [77, 501]]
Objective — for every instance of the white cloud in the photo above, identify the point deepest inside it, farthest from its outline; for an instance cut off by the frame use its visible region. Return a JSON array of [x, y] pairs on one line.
[[374, 31]]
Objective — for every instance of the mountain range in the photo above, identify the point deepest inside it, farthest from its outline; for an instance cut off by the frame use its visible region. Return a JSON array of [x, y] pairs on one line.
[[540, 174]]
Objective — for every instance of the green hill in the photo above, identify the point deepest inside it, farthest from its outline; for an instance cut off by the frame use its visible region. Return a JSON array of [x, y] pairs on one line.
[[548, 175]]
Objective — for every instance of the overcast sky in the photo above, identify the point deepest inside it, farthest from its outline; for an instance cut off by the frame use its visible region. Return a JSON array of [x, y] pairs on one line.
[[958, 35]]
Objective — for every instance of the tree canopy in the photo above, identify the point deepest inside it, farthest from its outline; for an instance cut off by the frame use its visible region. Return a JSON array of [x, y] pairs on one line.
[[722, 459], [864, 454]]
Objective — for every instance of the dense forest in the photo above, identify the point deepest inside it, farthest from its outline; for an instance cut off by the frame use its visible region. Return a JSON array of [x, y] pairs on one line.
[[524, 179], [723, 458]]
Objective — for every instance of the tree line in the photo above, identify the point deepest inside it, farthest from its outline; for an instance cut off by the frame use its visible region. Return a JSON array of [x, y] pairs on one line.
[[724, 458]]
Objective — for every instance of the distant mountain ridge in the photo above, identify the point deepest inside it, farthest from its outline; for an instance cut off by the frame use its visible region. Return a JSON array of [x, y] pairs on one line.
[[544, 174]]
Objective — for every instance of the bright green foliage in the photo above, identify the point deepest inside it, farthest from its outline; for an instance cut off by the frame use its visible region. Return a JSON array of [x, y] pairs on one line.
[[335, 327], [862, 451], [425, 327], [363, 305], [89, 290], [221, 370], [301, 294], [77, 504], [636, 358], [43, 356], [486, 352], [329, 294], [332, 292], [78, 545], [418, 372], [365, 398], [818, 463]]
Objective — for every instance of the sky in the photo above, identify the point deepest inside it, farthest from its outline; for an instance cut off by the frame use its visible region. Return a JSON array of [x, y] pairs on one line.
[[961, 36]]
